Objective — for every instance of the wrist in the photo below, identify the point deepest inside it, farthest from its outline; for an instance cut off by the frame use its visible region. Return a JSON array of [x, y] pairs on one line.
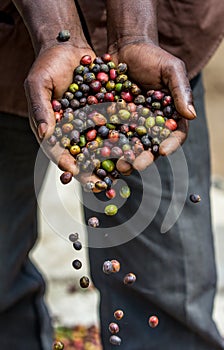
[[46, 37], [44, 21], [131, 22], [117, 46]]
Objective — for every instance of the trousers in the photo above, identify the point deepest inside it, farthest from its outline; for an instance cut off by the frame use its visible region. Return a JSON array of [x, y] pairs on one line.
[[24, 319], [166, 241]]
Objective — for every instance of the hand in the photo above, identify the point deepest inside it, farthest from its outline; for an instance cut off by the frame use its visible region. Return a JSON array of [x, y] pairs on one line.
[[50, 76], [153, 68]]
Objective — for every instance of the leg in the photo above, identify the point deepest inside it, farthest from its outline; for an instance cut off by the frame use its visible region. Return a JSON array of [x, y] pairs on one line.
[[175, 271], [24, 321]]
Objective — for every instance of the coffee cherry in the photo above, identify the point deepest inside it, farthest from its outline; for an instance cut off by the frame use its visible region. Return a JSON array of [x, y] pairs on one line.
[[56, 105], [105, 152], [91, 135], [77, 245], [129, 279], [89, 77], [73, 237], [113, 74], [84, 88], [111, 193], [115, 340], [164, 133], [108, 165], [157, 95], [113, 328], [125, 191], [85, 60], [63, 35], [101, 173], [106, 57], [124, 114], [116, 152], [122, 68], [93, 222], [127, 96], [171, 124], [66, 177], [108, 181], [74, 150], [118, 314], [58, 346], [113, 136], [153, 321], [107, 267], [89, 186], [167, 100], [108, 97], [195, 198], [111, 210], [102, 77], [77, 264], [92, 100], [84, 282], [139, 100], [103, 131], [95, 85], [160, 120], [115, 266], [101, 185], [146, 142], [98, 60]]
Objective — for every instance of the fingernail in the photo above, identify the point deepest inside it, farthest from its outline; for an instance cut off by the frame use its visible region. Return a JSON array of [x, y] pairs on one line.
[[192, 110], [42, 129]]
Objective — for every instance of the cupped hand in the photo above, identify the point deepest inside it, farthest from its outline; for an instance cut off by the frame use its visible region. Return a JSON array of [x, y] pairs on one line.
[[49, 78], [153, 68]]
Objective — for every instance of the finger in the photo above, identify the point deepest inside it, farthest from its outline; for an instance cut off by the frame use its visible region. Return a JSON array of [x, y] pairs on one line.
[[144, 160], [61, 157], [40, 108], [175, 77], [124, 167], [175, 140]]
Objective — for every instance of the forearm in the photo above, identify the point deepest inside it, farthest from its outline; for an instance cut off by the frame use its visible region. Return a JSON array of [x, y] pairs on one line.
[[45, 19], [131, 22]]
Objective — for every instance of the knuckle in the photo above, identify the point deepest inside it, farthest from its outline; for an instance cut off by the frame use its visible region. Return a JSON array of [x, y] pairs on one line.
[[29, 83]]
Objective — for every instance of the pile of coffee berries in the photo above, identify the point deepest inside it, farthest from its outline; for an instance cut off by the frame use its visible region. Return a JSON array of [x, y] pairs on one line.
[[104, 116]]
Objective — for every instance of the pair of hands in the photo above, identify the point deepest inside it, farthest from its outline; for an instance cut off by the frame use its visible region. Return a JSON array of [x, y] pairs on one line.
[[148, 65]]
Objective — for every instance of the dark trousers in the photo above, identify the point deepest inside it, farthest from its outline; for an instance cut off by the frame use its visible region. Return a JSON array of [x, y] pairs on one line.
[[24, 320], [176, 276]]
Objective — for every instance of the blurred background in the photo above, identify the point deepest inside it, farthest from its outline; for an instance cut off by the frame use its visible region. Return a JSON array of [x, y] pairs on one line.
[[68, 304]]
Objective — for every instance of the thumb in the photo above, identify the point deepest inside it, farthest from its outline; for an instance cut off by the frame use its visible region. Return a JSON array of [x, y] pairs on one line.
[[40, 108], [179, 86]]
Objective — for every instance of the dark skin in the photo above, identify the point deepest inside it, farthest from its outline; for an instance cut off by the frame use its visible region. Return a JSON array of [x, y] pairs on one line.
[[130, 40]]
